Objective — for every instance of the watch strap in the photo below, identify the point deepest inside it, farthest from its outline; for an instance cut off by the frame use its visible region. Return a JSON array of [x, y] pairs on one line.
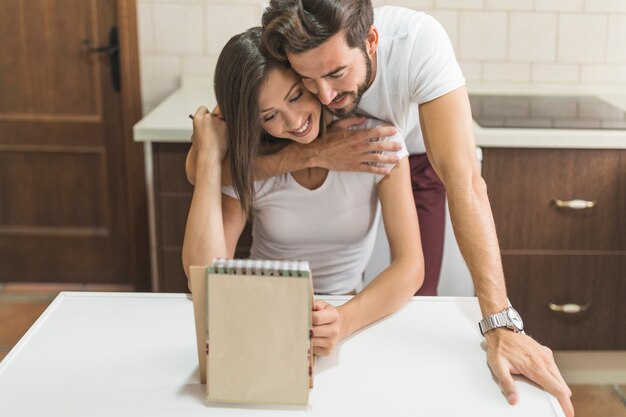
[[493, 321], [501, 319]]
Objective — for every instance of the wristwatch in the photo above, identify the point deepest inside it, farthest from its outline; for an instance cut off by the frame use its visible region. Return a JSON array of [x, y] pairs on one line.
[[508, 318]]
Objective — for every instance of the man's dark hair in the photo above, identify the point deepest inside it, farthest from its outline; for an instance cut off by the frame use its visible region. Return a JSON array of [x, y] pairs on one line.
[[296, 26]]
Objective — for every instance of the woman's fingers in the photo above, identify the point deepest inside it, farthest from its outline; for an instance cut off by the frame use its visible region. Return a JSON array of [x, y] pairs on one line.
[[200, 112]]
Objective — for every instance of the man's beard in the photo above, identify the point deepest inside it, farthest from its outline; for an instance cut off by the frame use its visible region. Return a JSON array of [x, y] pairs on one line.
[[356, 97]]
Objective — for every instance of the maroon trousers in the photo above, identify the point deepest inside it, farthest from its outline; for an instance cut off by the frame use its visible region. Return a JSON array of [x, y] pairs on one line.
[[429, 195]]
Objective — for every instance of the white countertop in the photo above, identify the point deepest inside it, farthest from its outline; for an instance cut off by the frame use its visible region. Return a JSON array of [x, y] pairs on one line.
[[113, 354], [169, 121]]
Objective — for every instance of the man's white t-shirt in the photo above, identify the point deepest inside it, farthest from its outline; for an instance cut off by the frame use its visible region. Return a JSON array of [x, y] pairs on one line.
[[333, 227], [415, 64]]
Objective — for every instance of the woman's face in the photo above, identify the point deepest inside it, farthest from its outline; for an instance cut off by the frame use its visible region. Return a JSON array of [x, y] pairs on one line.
[[288, 110]]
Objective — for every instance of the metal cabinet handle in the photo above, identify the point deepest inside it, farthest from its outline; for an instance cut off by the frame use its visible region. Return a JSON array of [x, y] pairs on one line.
[[568, 308], [574, 204]]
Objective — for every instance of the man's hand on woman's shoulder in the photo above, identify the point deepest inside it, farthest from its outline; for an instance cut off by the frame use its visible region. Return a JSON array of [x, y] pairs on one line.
[[346, 149]]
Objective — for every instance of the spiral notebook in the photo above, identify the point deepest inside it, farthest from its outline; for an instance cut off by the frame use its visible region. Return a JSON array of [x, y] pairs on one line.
[[252, 326]]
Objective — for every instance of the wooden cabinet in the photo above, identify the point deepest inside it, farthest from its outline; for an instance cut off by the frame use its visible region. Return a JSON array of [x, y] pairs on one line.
[[557, 257], [172, 198]]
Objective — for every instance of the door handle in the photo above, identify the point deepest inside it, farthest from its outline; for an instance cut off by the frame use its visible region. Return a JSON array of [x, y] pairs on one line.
[[112, 50], [574, 204], [569, 308]]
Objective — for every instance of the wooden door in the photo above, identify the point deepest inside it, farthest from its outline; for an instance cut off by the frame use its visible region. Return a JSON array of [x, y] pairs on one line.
[[64, 191]]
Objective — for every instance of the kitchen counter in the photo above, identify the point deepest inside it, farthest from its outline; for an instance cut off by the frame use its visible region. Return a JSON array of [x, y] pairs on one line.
[[115, 354], [169, 121]]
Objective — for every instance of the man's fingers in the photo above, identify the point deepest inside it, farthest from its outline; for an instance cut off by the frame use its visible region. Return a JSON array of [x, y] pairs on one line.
[[374, 169], [554, 386], [537, 370], [363, 134], [553, 369], [507, 384], [383, 146], [380, 159], [373, 133]]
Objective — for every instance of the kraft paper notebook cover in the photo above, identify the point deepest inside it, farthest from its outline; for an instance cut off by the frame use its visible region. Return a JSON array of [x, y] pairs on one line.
[[257, 316]]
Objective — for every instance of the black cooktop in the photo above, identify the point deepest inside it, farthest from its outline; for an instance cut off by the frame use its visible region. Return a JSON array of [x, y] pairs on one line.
[[546, 112]]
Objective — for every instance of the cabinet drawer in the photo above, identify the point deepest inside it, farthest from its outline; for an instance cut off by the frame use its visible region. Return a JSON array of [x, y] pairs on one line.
[[523, 185], [169, 167], [173, 219], [538, 284]]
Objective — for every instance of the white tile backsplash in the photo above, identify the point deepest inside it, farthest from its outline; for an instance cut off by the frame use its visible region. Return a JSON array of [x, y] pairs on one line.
[[606, 6], [559, 5], [509, 4], [547, 41], [160, 75], [178, 28], [555, 73], [603, 74], [456, 4], [226, 20], [532, 37], [582, 37], [506, 72], [483, 35], [473, 71], [616, 39], [199, 65], [411, 4], [145, 27]]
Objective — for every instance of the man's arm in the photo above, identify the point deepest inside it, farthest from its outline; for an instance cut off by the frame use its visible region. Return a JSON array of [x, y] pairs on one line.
[[340, 149], [447, 127]]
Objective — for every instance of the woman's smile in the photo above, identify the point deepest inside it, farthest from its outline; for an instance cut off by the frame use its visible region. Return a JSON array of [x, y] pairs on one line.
[[304, 129]]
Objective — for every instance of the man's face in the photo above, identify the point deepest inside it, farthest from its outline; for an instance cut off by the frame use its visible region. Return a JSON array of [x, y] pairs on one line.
[[337, 73]]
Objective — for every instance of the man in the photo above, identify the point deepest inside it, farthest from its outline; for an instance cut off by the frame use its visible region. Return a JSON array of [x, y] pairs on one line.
[[401, 68]]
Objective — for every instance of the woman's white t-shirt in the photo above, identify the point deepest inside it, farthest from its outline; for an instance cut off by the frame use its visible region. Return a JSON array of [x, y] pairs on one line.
[[332, 227]]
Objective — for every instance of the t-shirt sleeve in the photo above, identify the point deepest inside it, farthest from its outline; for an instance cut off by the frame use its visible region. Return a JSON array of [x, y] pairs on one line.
[[229, 191], [433, 69], [398, 137]]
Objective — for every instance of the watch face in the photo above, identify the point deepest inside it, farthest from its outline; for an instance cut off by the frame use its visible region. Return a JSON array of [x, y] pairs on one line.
[[515, 318]]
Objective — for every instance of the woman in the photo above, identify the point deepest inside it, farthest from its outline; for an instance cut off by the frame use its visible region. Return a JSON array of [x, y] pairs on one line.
[[328, 218]]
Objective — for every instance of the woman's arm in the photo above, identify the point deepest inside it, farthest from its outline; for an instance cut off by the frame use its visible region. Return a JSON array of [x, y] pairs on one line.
[[391, 289], [215, 221]]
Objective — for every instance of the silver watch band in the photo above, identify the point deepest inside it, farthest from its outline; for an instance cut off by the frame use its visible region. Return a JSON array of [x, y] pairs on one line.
[[492, 322], [502, 319]]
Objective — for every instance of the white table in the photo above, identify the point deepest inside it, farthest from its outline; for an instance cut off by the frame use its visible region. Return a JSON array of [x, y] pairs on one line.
[[112, 354]]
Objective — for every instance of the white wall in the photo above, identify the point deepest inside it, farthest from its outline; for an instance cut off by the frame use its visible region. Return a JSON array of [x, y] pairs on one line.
[[548, 41]]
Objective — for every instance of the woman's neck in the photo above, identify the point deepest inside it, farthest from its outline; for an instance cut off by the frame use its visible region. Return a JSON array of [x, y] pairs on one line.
[[311, 178]]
